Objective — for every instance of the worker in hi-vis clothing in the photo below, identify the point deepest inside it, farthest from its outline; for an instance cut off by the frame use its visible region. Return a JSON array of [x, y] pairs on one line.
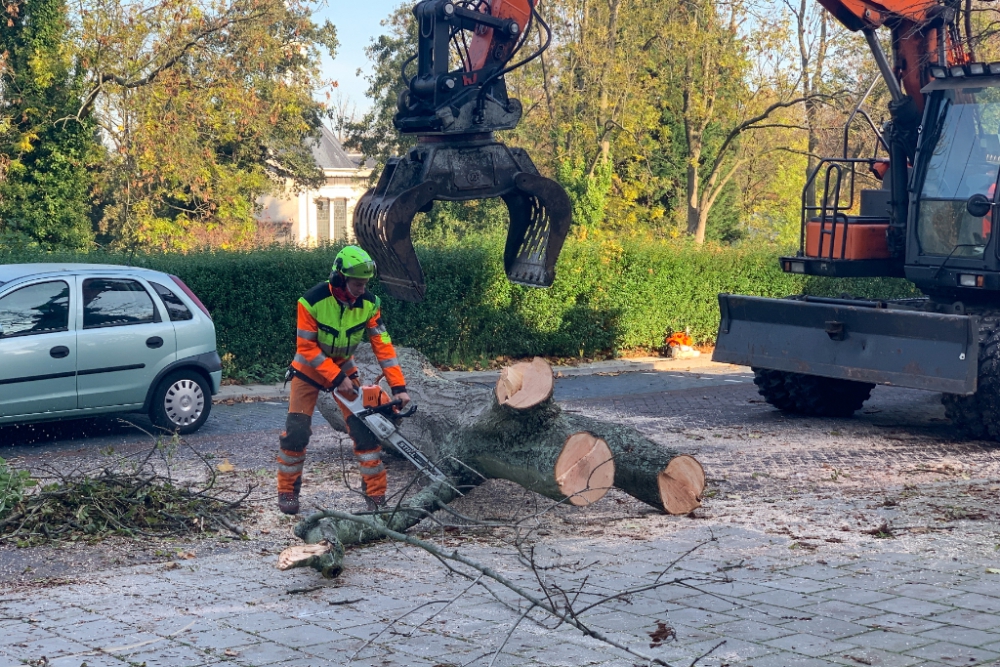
[[333, 317]]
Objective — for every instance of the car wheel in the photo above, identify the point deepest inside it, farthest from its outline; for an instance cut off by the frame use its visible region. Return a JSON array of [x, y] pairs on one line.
[[181, 403]]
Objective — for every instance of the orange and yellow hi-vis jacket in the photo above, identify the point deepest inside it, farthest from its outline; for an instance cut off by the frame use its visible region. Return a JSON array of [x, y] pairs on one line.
[[330, 330]]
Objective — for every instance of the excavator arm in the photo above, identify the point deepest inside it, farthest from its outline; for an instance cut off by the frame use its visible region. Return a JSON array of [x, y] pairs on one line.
[[923, 34], [453, 103]]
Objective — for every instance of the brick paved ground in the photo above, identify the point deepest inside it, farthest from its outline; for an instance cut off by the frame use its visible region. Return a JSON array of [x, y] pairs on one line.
[[825, 542]]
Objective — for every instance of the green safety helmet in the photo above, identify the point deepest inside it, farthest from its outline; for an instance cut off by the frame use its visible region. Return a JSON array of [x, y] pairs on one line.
[[354, 262]]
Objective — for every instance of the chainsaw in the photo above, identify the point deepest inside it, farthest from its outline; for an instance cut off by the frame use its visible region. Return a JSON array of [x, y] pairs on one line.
[[374, 414]]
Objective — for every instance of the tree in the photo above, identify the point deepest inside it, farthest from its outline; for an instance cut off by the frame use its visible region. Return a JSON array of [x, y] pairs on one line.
[[374, 135], [48, 153], [205, 106]]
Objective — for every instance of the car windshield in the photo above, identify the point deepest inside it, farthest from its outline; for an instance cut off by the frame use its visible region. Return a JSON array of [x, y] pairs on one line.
[[964, 162]]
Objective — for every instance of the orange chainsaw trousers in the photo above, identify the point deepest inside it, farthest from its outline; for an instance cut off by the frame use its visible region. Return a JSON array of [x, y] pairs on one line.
[[295, 438]]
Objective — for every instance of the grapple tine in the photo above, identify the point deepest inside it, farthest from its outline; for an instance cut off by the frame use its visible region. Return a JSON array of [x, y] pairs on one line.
[[382, 225], [540, 217]]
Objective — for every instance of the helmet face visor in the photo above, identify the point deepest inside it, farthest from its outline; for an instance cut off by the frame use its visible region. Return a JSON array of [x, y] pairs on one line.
[[360, 270]]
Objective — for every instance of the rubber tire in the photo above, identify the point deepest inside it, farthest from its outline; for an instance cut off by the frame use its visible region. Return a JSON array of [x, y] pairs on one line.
[[978, 416], [157, 408], [811, 394]]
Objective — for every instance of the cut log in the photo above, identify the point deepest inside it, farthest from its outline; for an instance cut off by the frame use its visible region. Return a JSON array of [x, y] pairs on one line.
[[450, 413], [514, 432]]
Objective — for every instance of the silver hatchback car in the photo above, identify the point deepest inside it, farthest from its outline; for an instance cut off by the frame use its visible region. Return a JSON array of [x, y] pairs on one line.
[[78, 340]]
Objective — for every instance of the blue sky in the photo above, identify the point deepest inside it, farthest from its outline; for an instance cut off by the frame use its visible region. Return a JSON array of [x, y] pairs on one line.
[[357, 22]]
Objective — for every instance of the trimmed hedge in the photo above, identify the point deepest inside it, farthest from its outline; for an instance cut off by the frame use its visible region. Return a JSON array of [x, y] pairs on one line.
[[608, 296]]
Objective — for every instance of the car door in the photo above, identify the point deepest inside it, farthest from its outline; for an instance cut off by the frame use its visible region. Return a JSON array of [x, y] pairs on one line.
[[38, 350], [123, 342]]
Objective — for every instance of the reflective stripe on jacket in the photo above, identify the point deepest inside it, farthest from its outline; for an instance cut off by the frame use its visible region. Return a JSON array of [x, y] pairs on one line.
[[329, 331]]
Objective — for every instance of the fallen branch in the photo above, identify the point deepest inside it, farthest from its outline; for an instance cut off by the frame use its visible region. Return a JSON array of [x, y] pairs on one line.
[[369, 525]]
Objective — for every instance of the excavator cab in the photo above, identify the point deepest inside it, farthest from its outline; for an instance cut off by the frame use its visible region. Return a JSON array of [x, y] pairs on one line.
[[947, 205], [956, 168], [453, 113]]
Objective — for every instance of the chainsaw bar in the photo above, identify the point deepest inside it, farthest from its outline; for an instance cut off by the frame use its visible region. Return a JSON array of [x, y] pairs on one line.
[[387, 432]]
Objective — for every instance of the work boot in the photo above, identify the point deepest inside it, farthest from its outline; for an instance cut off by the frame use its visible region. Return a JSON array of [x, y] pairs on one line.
[[375, 503], [288, 503]]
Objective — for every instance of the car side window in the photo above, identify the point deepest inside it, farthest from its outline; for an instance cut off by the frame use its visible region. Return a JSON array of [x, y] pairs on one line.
[[35, 309], [111, 302], [175, 307]]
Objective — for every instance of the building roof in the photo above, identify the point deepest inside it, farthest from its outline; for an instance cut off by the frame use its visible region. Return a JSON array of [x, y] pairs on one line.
[[329, 154]]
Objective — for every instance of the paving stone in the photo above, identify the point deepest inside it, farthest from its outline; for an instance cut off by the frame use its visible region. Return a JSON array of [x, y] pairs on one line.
[[733, 651], [876, 657], [953, 654], [50, 647], [618, 620], [750, 630], [708, 603], [923, 591], [734, 589], [697, 617], [822, 626], [265, 653], [218, 638], [260, 621], [24, 633], [809, 645], [963, 636], [784, 659], [970, 619], [430, 645], [560, 654], [170, 654], [798, 584], [895, 642], [67, 615], [899, 623], [91, 659], [97, 633], [780, 598], [977, 602], [910, 607], [846, 592], [338, 646], [297, 636], [816, 572], [838, 609]]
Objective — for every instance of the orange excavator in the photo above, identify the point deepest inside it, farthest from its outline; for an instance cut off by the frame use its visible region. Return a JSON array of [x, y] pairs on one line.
[[453, 103], [930, 222]]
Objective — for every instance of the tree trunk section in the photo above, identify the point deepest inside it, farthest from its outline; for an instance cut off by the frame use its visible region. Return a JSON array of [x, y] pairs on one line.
[[515, 432], [472, 423]]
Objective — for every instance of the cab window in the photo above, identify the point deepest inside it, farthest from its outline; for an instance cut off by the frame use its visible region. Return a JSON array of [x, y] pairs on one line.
[[113, 302], [35, 309]]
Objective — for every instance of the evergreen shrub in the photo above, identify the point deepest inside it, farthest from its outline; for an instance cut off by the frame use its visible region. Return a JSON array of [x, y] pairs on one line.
[[609, 296]]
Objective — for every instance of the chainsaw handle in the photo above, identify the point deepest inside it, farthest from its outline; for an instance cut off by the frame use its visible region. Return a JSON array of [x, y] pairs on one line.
[[389, 409]]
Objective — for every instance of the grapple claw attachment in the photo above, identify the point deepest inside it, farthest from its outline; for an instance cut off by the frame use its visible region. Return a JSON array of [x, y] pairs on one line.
[[462, 169], [540, 216], [382, 226]]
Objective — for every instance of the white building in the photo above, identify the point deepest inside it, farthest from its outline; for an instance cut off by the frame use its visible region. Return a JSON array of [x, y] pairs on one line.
[[316, 216]]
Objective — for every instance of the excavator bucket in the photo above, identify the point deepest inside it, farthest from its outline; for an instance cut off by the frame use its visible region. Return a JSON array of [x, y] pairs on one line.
[[447, 170]]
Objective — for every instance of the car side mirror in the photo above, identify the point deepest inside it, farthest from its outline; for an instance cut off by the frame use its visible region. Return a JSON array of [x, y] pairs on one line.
[[978, 206]]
